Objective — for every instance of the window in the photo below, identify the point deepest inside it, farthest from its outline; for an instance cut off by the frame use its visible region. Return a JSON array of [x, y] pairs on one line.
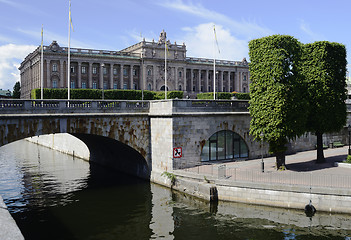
[[180, 74], [135, 72], [244, 77], [94, 70], [73, 85], [84, 70], [115, 71], [72, 69], [224, 145], [180, 88], [115, 86], [193, 88], [125, 86], [94, 85], [149, 72], [105, 70], [54, 84], [54, 67], [105, 85], [84, 85], [209, 88], [149, 87], [125, 73]]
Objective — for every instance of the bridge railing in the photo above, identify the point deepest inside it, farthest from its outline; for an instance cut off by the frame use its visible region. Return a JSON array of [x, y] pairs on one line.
[[13, 106], [210, 105]]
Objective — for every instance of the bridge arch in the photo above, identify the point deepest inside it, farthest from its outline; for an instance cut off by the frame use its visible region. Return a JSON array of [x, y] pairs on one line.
[[224, 145]]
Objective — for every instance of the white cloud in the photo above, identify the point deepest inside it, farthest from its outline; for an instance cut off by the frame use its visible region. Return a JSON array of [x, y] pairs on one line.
[[11, 56], [200, 43], [247, 29]]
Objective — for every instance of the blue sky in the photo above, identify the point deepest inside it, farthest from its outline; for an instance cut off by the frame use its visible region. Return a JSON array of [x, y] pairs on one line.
[[114, 25]]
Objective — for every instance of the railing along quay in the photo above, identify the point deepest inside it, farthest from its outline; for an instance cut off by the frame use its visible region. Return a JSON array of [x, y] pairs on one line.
[[223, 172], [16, 106]]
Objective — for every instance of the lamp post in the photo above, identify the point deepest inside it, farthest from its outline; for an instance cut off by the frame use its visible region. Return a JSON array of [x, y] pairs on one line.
[[102, 95], [262, 163], [349, 129]]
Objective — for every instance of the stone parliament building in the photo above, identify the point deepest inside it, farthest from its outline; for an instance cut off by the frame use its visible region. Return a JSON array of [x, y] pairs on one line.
[[140, 66]]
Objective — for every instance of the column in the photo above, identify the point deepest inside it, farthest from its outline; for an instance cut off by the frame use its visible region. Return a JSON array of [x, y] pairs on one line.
[[111, 76], [154, 78], [220, 81], [101, 76], [121, 76], [191, 80], [131, 85], [90, 75], [48, 71], [79, 70], [184, 76], [199, 79], [206, 81], [228, 81], [176, 69], [62, 76], [143, 76]]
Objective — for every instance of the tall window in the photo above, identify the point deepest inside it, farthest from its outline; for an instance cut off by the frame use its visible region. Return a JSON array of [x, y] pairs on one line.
[[180, 88], [54, 67], [115, 86], [135, 72], [244, 77], [105, 70], [125, 86], [72, 69], [94, 85], [94, 70], [84, 85], [73, 85], [105, 85], [115, 71], [224, 145], [54, 84], [125, 72], [84, 70], [180, 74], [149, 87], [149, 72]]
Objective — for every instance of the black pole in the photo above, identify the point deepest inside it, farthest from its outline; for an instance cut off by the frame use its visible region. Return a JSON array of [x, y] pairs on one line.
[[349, 141]]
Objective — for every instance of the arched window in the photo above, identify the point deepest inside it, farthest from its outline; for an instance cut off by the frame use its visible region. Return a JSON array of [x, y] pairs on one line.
[[149, 87], [224, 145]]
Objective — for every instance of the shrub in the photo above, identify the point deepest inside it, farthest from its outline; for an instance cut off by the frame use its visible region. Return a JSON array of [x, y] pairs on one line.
[[348, 159], [219, 95]]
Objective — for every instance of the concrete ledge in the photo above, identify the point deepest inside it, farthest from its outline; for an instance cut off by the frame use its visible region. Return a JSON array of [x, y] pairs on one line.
[[8, 228], [343, 165]]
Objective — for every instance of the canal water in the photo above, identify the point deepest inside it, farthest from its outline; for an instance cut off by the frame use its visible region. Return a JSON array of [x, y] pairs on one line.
[[55, 196]]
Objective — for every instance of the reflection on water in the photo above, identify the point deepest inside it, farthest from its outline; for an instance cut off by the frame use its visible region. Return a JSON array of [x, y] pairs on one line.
[[54, 196]]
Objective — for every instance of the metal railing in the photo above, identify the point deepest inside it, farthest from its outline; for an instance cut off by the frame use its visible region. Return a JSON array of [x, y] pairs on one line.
[[308, 179], [16, 106]]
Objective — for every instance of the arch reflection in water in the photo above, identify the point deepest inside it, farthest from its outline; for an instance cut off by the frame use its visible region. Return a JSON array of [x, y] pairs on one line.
[[224, 145]]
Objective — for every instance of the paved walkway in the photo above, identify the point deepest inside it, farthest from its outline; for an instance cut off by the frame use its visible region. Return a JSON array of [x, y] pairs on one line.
[[302, 169]]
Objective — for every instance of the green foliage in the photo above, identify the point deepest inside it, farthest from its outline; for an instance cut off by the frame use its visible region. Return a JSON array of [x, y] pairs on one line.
[[242, 96], [219, 95], [55, 93], [170, 176], [16, 90], [170, 95], [348, 159], [277, 104], [324, 68]]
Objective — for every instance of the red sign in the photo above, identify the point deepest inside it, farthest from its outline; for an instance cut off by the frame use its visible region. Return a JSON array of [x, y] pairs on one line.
[[177, 152]]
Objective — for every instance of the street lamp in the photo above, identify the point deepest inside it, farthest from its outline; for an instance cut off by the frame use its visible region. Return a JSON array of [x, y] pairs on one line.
[[349, 129], [102, 95], [262, 163]]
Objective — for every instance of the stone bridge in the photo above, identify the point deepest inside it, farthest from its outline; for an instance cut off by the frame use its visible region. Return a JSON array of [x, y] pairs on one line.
[[141, 137]]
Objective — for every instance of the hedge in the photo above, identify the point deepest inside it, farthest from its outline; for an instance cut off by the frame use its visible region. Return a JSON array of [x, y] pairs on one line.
[[244, 96], [50, 93], [219, 95]]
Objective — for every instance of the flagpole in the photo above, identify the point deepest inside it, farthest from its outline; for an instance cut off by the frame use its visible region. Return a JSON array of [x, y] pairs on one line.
[[214, 65], [69, 52], [42, 67], [165, 68]]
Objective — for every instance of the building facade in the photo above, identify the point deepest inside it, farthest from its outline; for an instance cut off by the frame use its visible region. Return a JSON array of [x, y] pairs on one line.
[[141, 66]]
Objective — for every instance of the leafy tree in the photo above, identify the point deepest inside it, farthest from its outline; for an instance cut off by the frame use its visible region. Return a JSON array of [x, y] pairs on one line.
[[277, 104], [16, 90], [324, 68]]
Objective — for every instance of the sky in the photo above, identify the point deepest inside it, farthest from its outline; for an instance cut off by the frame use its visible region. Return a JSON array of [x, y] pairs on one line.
[[115, 25]]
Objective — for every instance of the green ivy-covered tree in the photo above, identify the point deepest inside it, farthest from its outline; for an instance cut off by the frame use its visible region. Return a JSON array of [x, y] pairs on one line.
[[324, 68], [16, 90], [277, 106]]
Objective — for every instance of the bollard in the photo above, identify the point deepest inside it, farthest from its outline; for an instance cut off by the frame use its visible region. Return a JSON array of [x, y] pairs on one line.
[[262, 166]]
